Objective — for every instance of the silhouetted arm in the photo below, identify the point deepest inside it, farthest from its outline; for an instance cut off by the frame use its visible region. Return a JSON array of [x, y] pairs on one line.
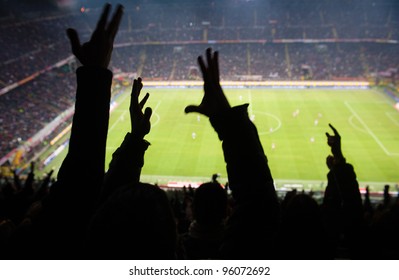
[[128, 159], [342, 176], [82, 170], [342, 203], [256, 214], [246, 161]]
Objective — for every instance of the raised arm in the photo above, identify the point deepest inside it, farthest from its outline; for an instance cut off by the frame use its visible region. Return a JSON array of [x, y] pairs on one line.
[[72, 198], [247, 166], [128, 159], [256, 215], [342, 203], [85, 161], [334, 141], [342, 177]]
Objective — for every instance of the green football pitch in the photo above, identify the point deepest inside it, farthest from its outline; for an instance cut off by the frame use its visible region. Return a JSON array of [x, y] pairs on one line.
[[291, 123]]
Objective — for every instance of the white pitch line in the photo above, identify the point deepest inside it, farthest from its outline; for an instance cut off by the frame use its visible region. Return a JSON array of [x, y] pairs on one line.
[[126, 111], [154, 113], [389, 115], [350, 120], [123, 115], [279, 123], [117, 121], [123, 98], [370, 131], [156, 107]]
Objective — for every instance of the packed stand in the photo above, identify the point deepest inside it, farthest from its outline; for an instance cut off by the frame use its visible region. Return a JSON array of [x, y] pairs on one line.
[[87, 213], [33, 41]]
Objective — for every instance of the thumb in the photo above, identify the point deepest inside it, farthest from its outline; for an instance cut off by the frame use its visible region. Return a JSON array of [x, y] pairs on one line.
[[193, 109], [147, 113]]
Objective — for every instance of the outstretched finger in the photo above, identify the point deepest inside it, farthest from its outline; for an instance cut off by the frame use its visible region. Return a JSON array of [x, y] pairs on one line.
[[137, 86], [192, 109], [115, 21], [147, 113], [202, 66], [215, 66], [333, 129], [144, 100], [134, 103], [209, 57], [103, 19], [140, 85], [74, 40]]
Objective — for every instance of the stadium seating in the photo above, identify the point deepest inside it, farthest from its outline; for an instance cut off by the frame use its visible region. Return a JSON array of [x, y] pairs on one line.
[[251, 39], [295, 42]]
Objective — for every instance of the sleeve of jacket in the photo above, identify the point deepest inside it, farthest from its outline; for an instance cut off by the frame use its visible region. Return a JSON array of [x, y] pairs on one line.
[[126, 164], [82, 171], [344, 178], [254, 222], [343, 210], [247, 167]]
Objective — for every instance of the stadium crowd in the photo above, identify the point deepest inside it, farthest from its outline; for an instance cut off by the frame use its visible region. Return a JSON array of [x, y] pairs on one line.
[[87, 213], [33, 42]]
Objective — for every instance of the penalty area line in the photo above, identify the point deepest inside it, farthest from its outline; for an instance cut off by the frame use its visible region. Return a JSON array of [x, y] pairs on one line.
[[378, 141]]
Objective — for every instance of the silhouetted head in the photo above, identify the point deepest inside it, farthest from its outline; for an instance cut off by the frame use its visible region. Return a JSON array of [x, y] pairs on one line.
[[302, 209], [136, 222], [302, 232], [210, 204]]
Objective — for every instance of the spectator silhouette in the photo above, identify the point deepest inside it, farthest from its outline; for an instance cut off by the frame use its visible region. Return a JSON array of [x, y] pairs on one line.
[[387, 197], [251, 229], [342, 203], [368, 206], [206, 232], [302, 233], [59, 230], [92, 214], [134, 220]]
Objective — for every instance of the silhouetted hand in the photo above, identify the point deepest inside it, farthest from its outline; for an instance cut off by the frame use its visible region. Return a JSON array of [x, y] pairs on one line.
[[334, 141], [214, 100], [97, 51], [140, 121]]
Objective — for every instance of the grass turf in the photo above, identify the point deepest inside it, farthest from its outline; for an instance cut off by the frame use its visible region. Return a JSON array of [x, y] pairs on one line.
[[295, 145]]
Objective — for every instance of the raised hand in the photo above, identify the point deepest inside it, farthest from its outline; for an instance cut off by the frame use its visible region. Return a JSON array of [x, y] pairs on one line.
[[140, 121], [214, 100], [97, 51], [334, 141]]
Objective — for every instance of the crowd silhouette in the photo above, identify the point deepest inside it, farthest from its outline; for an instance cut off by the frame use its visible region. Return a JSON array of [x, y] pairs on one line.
[[92, 214]]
